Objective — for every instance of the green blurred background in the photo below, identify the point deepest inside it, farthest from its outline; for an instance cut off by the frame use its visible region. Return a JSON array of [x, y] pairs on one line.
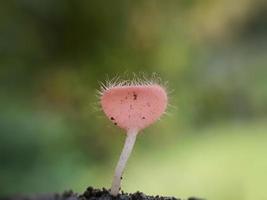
[[53, 136]]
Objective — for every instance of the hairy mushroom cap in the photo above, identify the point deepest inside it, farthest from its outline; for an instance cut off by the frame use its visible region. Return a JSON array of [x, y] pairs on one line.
[[134, 107]]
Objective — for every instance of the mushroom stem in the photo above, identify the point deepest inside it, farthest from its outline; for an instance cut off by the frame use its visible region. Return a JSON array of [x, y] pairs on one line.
[[125, 154]]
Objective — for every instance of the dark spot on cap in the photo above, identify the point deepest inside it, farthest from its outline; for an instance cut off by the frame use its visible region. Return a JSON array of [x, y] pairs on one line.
[[143, 118], [135, 96], [115, 123], [112, 118]]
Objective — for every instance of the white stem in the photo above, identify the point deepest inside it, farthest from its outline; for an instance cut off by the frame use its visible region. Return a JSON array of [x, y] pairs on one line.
[[125, 154]]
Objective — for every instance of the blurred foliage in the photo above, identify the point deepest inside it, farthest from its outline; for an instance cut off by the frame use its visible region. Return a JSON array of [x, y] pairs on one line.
[[54, 53]]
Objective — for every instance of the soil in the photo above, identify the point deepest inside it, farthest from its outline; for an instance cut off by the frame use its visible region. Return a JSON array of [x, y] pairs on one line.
[[94, 194]]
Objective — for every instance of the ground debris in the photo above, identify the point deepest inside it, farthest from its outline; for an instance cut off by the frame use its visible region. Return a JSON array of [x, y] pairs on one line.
[[94, 194]]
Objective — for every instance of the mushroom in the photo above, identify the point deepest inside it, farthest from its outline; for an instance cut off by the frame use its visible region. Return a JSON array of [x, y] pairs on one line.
[[132, 107]]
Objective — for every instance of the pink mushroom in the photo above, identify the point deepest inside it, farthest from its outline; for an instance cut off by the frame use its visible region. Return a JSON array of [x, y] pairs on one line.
[[132, 107]]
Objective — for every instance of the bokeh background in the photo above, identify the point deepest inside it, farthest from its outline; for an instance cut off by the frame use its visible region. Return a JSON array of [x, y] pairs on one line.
[[53, 136]]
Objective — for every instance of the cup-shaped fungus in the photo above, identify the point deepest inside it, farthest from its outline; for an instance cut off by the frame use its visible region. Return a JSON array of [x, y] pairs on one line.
[[132, 107]]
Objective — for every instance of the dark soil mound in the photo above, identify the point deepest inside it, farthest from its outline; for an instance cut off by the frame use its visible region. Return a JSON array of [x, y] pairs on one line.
[[94, 194]]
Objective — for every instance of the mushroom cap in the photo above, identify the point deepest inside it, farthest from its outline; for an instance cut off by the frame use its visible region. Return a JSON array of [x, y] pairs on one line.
[[134, 107]]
